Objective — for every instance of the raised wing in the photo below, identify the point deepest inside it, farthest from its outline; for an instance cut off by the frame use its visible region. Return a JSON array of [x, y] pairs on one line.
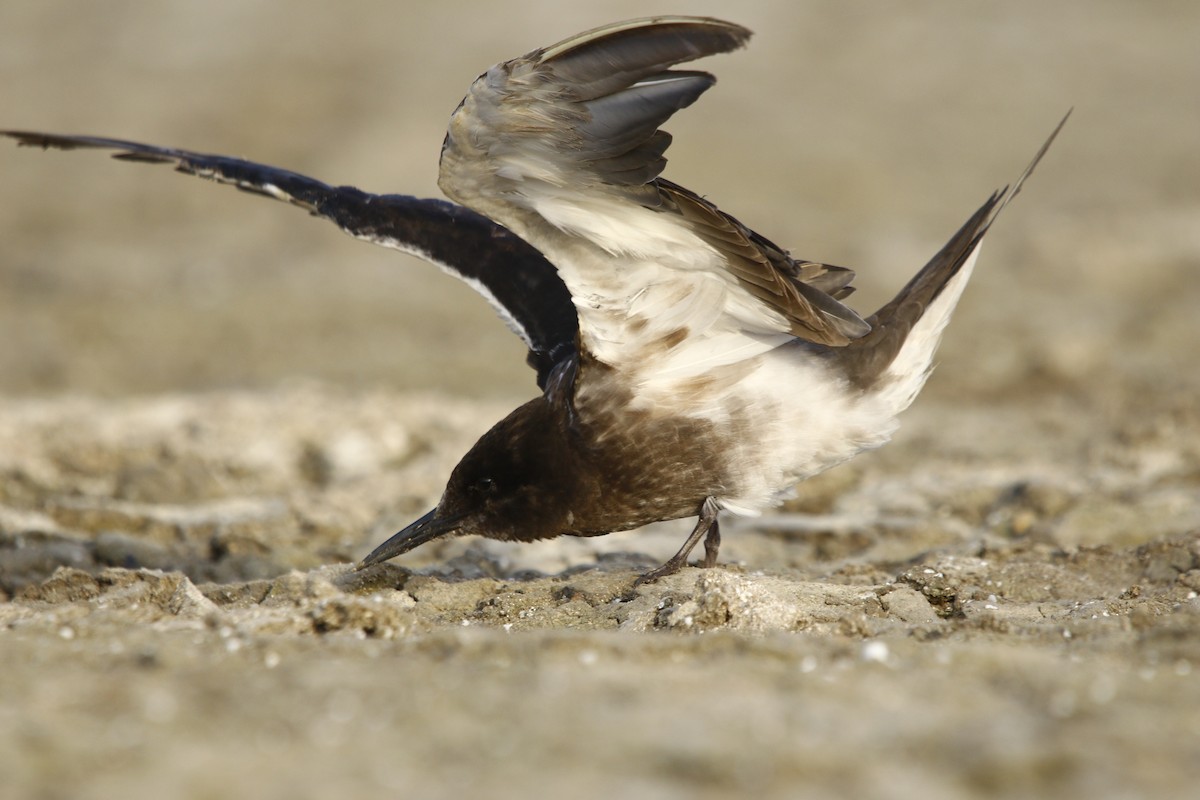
[[513, 276], [563, 147]]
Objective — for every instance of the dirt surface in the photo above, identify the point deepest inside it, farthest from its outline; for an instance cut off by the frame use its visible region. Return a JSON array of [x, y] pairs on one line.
[[210, 407]]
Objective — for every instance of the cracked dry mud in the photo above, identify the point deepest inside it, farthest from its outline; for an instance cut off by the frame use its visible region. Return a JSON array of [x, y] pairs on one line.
[[1004, 620]]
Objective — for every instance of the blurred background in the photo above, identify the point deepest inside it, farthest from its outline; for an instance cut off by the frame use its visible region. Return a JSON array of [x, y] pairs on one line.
[[854, 134]]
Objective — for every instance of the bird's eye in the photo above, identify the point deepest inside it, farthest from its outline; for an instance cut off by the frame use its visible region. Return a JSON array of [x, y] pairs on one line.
[[485, 486]]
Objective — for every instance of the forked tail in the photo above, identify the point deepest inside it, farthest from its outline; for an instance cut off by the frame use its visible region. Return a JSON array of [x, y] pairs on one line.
[[905, 331]]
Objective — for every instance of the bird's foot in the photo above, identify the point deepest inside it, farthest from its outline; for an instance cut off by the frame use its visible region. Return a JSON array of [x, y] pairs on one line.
[[706, 526]]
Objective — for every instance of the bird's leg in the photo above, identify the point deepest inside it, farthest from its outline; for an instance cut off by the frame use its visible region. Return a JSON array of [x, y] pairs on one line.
[[706, 526], [712, 543]]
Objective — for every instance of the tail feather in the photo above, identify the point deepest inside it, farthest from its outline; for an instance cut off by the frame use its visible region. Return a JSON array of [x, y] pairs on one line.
[[866, 359]]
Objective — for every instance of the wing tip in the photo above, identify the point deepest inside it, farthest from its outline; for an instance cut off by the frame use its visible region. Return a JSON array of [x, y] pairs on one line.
[[727, 36], [42, 140]]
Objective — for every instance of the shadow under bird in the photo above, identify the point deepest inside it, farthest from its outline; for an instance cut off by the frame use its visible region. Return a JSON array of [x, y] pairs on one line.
[[687, 364]]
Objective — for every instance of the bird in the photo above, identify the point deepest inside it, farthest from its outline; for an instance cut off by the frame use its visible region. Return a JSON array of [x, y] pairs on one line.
[[687, 366]]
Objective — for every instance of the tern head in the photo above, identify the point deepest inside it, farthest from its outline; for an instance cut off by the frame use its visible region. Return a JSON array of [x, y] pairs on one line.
[[517, 483]]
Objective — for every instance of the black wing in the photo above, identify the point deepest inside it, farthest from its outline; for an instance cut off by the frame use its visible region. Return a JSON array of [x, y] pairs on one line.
[[512, 275]]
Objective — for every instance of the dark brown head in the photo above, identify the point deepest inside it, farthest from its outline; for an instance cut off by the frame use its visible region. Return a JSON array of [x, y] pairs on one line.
[[518, 483]]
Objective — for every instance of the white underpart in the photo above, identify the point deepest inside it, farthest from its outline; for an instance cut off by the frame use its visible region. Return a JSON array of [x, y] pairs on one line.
[[805, 416], [912, 365], [796, 417]]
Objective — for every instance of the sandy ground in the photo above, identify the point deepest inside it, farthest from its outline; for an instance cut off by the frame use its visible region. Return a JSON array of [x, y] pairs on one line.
[[210, 406]]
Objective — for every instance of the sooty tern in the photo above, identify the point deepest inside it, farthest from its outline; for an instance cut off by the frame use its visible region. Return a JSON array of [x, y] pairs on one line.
[[687, 364]]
